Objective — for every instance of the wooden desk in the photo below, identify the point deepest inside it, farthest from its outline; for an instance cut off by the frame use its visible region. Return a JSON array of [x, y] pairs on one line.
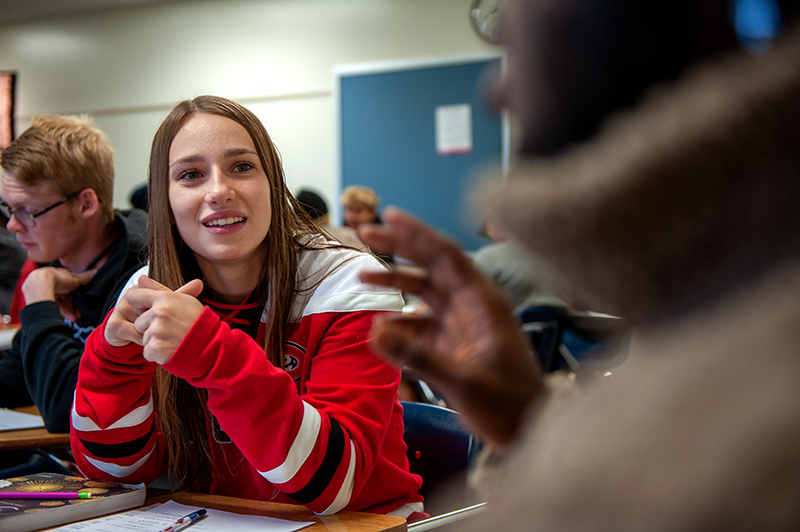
[[31, 438], [341, 522], [7, 333]]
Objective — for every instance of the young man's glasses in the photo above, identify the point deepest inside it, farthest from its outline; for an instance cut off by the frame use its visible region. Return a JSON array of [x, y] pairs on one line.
[[28, 219]]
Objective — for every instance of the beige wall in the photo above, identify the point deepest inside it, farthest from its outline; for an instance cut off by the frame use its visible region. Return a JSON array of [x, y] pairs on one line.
[[128, 66]]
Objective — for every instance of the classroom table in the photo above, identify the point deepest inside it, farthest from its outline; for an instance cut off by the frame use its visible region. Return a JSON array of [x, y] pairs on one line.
[[7, 333], [31, 438], [343, 521]]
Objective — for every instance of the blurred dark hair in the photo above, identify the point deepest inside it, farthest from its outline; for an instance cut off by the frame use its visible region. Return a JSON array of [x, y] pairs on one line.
[[139, 198], [312, 203]]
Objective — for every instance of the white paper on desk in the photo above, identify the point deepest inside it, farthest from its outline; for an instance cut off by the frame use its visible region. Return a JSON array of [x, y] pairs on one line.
[[7, 337], [158, 516], [11, 420]]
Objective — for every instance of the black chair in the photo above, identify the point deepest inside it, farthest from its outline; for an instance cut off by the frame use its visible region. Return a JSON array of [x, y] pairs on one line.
[[544, 327], [593, 340], [421, 390], [568, 339], [441, 451]]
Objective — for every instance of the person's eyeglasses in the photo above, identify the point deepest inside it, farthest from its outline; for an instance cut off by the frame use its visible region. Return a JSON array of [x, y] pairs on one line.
[[28, 219]]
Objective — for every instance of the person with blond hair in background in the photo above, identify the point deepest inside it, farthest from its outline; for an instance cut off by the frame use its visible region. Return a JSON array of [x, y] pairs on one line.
[[360, 206]]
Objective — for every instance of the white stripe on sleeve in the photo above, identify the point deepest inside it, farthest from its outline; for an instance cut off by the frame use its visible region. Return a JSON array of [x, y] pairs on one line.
[[115, 470], [135, 417], [301, 447]]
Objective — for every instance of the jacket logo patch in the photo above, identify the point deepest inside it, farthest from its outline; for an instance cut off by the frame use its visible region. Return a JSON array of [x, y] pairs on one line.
[[290, 363], [78, 332]]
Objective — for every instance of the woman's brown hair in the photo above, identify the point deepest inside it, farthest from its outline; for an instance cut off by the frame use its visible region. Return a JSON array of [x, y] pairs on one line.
[[181, 408]]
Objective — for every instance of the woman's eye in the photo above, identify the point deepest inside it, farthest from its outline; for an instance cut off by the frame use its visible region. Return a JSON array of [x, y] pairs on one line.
[[243, 166], [189, 175]]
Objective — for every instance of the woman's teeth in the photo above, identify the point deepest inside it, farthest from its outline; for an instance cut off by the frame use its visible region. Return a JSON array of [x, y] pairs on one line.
[[225, 221]]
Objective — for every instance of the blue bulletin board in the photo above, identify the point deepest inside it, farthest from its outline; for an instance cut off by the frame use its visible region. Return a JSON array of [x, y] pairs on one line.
[[388, 137]]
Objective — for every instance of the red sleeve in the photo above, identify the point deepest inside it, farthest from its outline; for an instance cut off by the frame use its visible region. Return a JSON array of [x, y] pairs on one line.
[[114, 432], [320, 446], [18, 300]]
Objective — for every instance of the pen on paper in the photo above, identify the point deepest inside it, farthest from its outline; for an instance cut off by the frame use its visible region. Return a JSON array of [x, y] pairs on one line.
[[185, 521], [45, 495]]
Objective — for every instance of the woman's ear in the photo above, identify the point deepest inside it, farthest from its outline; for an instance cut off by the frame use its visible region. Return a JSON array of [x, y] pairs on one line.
[[88, 203]]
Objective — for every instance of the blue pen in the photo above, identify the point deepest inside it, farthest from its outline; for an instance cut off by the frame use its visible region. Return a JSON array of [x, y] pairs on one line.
[[185, 521]]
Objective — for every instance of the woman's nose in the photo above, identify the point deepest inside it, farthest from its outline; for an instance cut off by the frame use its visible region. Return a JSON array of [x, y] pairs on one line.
[[219, 187]]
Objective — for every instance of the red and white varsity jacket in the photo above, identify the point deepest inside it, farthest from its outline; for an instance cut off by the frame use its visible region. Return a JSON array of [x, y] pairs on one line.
[[326, 432]]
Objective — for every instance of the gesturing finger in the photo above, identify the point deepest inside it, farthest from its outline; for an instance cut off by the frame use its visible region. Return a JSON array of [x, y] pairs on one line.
[[122, 333], [406, 282], [405, 236], [406, 341], [147, 282], [193, 288], [410, 238], [144, 296], [141, 299], [119, 329], [166, 322]]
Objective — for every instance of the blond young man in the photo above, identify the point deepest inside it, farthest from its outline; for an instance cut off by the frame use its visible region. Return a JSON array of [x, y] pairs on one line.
[[56, 190], [360, 206]]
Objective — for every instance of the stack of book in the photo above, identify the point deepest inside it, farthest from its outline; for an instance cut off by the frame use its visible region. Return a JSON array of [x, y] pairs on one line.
[[45, 500]]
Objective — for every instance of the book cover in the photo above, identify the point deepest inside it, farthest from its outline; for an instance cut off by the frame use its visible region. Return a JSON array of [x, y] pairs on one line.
[[24, 515]]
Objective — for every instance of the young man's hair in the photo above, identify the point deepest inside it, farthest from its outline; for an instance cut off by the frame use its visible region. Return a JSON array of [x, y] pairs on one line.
[[360, 194], [68, 152]]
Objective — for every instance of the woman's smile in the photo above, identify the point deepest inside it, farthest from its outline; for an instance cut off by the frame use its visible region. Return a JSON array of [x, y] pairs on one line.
[[224, 222]]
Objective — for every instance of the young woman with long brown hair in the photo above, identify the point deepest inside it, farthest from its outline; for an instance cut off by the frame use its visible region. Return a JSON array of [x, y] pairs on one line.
[[239, 364]]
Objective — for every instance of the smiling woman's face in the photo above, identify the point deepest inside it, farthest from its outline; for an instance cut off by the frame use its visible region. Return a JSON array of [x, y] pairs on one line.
[[219, 192]]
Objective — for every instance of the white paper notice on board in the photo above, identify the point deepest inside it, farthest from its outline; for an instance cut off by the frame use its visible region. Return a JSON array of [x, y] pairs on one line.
[[454, 129]]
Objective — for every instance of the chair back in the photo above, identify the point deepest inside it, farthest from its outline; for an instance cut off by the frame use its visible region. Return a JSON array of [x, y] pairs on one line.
[[440, 450], [544, 327], [571, 340]]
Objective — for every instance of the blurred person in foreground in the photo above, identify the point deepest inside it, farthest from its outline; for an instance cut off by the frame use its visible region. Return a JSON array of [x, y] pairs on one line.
[[56, 190], [678, 213]]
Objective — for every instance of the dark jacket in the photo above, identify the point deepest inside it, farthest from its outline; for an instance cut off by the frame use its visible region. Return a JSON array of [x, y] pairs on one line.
[[41, 367]]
